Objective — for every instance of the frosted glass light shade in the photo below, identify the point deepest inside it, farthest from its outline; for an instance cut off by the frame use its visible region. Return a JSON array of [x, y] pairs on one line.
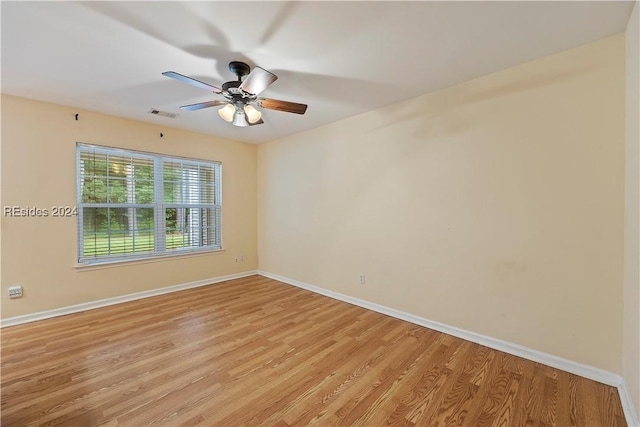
[[227, 112], [253, 115], [239, 118]]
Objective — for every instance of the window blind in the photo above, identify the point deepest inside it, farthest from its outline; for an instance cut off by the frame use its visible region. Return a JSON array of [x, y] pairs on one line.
[[134, 204]]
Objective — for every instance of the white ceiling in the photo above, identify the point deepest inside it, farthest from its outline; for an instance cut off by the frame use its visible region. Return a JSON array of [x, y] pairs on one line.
[[340, 58]]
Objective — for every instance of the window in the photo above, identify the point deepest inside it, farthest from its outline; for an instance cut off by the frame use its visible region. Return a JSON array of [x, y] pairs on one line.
[[138, 205]]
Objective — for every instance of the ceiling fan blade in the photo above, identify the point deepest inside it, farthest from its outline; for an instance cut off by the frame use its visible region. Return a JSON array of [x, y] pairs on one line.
[[289, 107], [257, 80], [259, 122], [191, 81], [201, 105]]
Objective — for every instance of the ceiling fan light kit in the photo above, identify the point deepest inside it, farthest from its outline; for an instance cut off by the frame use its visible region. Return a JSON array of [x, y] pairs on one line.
[[239, 115], [241, 95]]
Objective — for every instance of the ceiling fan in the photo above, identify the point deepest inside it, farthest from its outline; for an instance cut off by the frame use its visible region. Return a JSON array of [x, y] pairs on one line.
[[239, 108]]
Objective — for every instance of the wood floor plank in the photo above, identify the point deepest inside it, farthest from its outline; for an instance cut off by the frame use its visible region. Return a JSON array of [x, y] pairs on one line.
[[531, 398], [257, 352]]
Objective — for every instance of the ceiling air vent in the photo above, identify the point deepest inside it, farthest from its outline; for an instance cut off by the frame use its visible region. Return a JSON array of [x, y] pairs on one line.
[[162, 113]]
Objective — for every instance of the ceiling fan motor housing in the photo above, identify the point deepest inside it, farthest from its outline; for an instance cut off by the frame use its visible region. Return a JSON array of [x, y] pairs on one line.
[[237, 95], [231, 85]]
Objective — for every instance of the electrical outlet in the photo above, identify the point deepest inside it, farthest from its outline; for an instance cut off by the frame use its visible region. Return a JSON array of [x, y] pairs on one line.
[[239, 258], [361, 278], [15, 291]]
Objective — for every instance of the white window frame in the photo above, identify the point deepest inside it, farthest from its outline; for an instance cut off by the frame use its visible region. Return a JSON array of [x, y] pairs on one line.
[[159, 206]]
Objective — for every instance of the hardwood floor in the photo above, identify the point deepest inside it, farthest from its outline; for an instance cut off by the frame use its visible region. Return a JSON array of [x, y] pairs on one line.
[[255, 351]]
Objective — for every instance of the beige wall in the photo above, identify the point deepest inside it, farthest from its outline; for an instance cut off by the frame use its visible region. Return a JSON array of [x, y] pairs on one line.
[[495, 206], [631, 296], [38, 169]]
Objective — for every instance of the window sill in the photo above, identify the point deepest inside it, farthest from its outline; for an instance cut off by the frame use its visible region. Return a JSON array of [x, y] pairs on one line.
[[158, 258]]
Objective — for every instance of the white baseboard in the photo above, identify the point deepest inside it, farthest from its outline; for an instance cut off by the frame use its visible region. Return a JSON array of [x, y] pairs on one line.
[[628, 406], [17, 320], [576, 368]]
